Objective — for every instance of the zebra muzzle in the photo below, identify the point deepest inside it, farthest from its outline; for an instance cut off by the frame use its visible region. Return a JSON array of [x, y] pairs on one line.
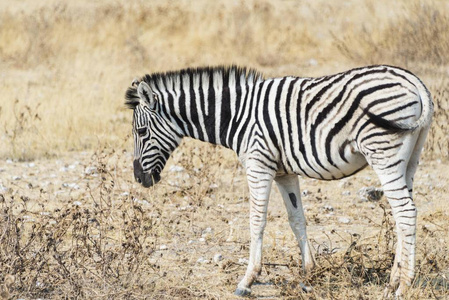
[[144, 178]]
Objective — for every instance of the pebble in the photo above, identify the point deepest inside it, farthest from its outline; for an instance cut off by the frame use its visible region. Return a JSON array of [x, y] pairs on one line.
[[344, 220], [328, 208], [218, 257], [163, 247], [346, 193], [305, 193], [142, 202], [28, 218], [201, 260], [77, 203], [370, 194], [207, 230], [90, 170], [71, 185], [176, 169], [243, 261], [16, 178]]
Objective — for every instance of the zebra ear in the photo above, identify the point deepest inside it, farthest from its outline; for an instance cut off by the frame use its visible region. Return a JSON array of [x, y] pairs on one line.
[[146, 95]]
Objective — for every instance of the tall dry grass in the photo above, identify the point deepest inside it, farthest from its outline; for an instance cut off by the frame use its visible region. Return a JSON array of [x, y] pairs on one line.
[[64, 66]]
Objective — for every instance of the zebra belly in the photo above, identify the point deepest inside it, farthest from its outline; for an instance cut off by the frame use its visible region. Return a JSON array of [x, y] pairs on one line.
[[345, 163]]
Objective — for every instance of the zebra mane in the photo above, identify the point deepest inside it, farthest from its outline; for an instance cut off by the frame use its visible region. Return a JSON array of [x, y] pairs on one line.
[[167, 78]]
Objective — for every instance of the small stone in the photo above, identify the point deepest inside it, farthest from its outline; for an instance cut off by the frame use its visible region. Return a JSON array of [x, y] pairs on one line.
[[218, 257], [305, 193], [27, 218], [344, 220], [77, 203], [328, 208], [243, 261], [206, 232], [176, 169], [370, 193], [201, 260], [16, 178], [90, 170], [71, 186], [346, 193], [163, 247]]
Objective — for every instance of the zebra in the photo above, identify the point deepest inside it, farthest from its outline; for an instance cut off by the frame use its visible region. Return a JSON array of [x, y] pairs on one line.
[[326, 128]]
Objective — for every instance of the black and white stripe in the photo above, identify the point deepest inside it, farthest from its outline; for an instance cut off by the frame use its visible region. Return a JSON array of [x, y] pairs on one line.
[[325, 128]]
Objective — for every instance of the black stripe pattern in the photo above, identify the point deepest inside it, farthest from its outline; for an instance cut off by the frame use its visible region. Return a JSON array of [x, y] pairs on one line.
[[325, 128]]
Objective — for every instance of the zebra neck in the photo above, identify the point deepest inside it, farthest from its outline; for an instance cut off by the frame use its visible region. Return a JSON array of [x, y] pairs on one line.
[[214, 112]]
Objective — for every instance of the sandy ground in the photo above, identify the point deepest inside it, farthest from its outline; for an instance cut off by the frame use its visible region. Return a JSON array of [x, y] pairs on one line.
[[202, 213]]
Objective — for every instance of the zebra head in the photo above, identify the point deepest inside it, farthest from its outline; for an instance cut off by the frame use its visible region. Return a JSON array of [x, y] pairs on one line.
[[155, 137]]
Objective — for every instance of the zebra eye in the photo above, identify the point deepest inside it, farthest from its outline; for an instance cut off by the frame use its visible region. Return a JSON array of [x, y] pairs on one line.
[[155, 96], [142, 131]]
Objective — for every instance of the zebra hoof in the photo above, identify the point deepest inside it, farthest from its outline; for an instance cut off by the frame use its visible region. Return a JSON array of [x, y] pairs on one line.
[[242, 292]]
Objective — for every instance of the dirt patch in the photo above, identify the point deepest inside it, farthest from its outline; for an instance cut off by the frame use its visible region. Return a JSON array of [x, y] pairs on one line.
[[80, 226]]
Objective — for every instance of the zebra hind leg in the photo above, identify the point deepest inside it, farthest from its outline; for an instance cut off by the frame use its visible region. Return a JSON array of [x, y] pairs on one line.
[[259, 183], [289, 187], [414, 158], [396, 182]]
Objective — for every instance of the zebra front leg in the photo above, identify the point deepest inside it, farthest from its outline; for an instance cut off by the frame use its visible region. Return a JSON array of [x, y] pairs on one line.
[[259, 183], [289, 187]]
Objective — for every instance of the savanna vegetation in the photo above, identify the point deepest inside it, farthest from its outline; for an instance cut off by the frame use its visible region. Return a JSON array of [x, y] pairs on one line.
[[73, 224]]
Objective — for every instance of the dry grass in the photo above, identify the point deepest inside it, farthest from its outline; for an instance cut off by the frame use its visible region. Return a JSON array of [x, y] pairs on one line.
[[89, 231], [73, 224], [64, 66]]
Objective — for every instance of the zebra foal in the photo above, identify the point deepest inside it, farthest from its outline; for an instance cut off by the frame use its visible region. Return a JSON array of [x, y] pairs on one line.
[[325, 128]]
